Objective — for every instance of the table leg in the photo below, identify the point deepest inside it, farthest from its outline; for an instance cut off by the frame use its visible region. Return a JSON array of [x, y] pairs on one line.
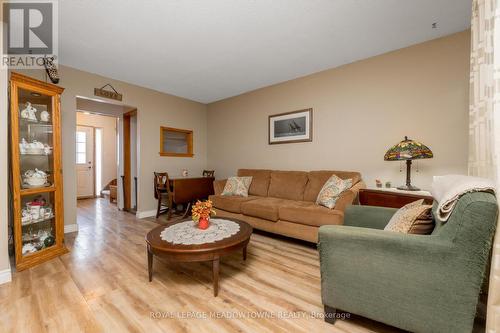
[[150, 265], [245, 253], [215, 268]]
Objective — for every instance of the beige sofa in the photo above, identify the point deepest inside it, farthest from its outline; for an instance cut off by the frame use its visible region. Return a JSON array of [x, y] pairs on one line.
[[283, 202]]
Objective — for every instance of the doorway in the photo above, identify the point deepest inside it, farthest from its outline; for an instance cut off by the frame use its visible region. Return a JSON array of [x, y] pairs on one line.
[[96, 154], [115, 173]]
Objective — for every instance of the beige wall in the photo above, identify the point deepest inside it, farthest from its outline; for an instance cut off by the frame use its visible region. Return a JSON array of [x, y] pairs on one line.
[[360, 110], [153, 110], [109, 141]]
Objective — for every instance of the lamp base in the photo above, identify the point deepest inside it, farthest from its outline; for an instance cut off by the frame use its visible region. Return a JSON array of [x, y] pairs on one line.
[[408, 188]]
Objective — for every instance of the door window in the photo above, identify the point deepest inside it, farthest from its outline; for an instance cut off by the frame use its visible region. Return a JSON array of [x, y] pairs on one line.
[[81, 147]]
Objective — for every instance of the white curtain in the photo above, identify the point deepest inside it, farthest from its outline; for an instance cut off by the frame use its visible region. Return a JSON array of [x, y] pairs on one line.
[[484, 118]]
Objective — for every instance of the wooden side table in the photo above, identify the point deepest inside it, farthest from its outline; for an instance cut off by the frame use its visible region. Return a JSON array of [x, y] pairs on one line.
[[391, 197]]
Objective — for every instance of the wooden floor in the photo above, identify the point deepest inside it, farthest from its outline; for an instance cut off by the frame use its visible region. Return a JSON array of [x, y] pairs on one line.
[[102, 286]]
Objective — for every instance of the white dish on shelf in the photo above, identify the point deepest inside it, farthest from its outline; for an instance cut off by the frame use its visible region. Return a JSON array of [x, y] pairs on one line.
[[34, 151], [26, 185], [28, 222], [29, 248]]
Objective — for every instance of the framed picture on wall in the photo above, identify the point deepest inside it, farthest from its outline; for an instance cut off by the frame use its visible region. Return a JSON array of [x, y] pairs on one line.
[[290, 127]]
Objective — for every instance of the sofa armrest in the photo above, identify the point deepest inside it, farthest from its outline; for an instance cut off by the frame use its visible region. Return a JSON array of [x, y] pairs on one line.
[[345, 199], [355, 189], [219, 186], [368, 216], [349, 197]]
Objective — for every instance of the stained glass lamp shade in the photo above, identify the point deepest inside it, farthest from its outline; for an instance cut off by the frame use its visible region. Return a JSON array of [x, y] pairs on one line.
[[408, 150]]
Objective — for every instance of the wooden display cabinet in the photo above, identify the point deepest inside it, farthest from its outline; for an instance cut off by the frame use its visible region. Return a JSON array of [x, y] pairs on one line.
[[36, 170]]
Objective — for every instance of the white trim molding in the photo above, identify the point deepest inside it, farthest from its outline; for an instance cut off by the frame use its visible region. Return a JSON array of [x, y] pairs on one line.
[[146, 213], [5, 276], [70, 228]]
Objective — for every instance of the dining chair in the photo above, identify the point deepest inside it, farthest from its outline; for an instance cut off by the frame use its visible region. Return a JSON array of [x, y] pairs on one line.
[[163, 194], [208, 173]]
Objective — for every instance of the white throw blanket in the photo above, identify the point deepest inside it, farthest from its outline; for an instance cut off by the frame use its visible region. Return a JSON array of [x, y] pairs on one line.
[[447, 189]]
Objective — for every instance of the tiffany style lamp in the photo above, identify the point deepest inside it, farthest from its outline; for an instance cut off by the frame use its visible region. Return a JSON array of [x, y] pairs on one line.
[[408, 150]]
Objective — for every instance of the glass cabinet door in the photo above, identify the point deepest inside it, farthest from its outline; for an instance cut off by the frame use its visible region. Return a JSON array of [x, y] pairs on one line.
[[36, 168], [35, 140]]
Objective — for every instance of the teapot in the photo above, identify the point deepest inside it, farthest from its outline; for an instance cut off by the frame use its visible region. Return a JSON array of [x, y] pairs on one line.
[[29, 112], [35, 147], [37, 144], [35, 177]]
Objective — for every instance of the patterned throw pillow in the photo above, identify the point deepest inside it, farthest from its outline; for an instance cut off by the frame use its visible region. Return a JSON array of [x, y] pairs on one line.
[[237, 186], [414, 218], [331, 191]]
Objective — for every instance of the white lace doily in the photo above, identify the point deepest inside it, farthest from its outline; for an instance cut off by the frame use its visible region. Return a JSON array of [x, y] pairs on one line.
[[188, 233]]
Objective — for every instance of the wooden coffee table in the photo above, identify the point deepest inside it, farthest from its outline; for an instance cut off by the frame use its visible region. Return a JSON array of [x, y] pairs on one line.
[[202, 252]]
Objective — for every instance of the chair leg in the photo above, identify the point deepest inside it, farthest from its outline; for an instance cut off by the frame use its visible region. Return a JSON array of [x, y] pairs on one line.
[[170, 206], [159, 207], [330, 314], [186, 212]]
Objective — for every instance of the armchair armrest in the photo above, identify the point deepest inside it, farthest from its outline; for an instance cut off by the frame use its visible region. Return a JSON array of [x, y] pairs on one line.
[[219, 186], [368, 216]]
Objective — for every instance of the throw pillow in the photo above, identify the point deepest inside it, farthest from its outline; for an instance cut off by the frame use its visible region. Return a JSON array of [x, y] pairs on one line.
[[237, 186], [331, 191], [413, 218]]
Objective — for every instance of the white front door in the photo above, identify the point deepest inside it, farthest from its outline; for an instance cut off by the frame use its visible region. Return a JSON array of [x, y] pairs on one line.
[[85, 161]]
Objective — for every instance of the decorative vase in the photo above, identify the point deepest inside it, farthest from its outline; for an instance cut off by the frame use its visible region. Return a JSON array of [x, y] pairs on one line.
[[203, 224]]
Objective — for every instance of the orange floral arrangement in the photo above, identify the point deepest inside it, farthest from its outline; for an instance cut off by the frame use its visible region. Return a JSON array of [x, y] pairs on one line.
[[202, 210]]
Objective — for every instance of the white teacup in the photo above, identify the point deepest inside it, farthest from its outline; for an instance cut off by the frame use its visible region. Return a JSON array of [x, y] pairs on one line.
[[26, 215], [35, 211]]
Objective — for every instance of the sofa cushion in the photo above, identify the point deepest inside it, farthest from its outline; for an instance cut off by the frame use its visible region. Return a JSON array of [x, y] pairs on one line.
[[260, 180], [230, 203], [265, 208], [237, 186], [287, 185], [309, 213], [331, 191], [316, 180]]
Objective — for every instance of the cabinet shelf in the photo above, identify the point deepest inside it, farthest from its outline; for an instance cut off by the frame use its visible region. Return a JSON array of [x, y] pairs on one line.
[[37, 221], [32, 122], [38, 190]]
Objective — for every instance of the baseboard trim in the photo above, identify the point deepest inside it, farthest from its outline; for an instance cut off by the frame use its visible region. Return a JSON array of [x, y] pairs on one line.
[[146, 213], [5, 276], [70, 228]]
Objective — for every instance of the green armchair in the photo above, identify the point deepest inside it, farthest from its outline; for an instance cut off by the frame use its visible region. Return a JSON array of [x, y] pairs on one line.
[[420, 283]]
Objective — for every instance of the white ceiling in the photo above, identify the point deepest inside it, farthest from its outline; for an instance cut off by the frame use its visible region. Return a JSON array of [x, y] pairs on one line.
[[207, 50]]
